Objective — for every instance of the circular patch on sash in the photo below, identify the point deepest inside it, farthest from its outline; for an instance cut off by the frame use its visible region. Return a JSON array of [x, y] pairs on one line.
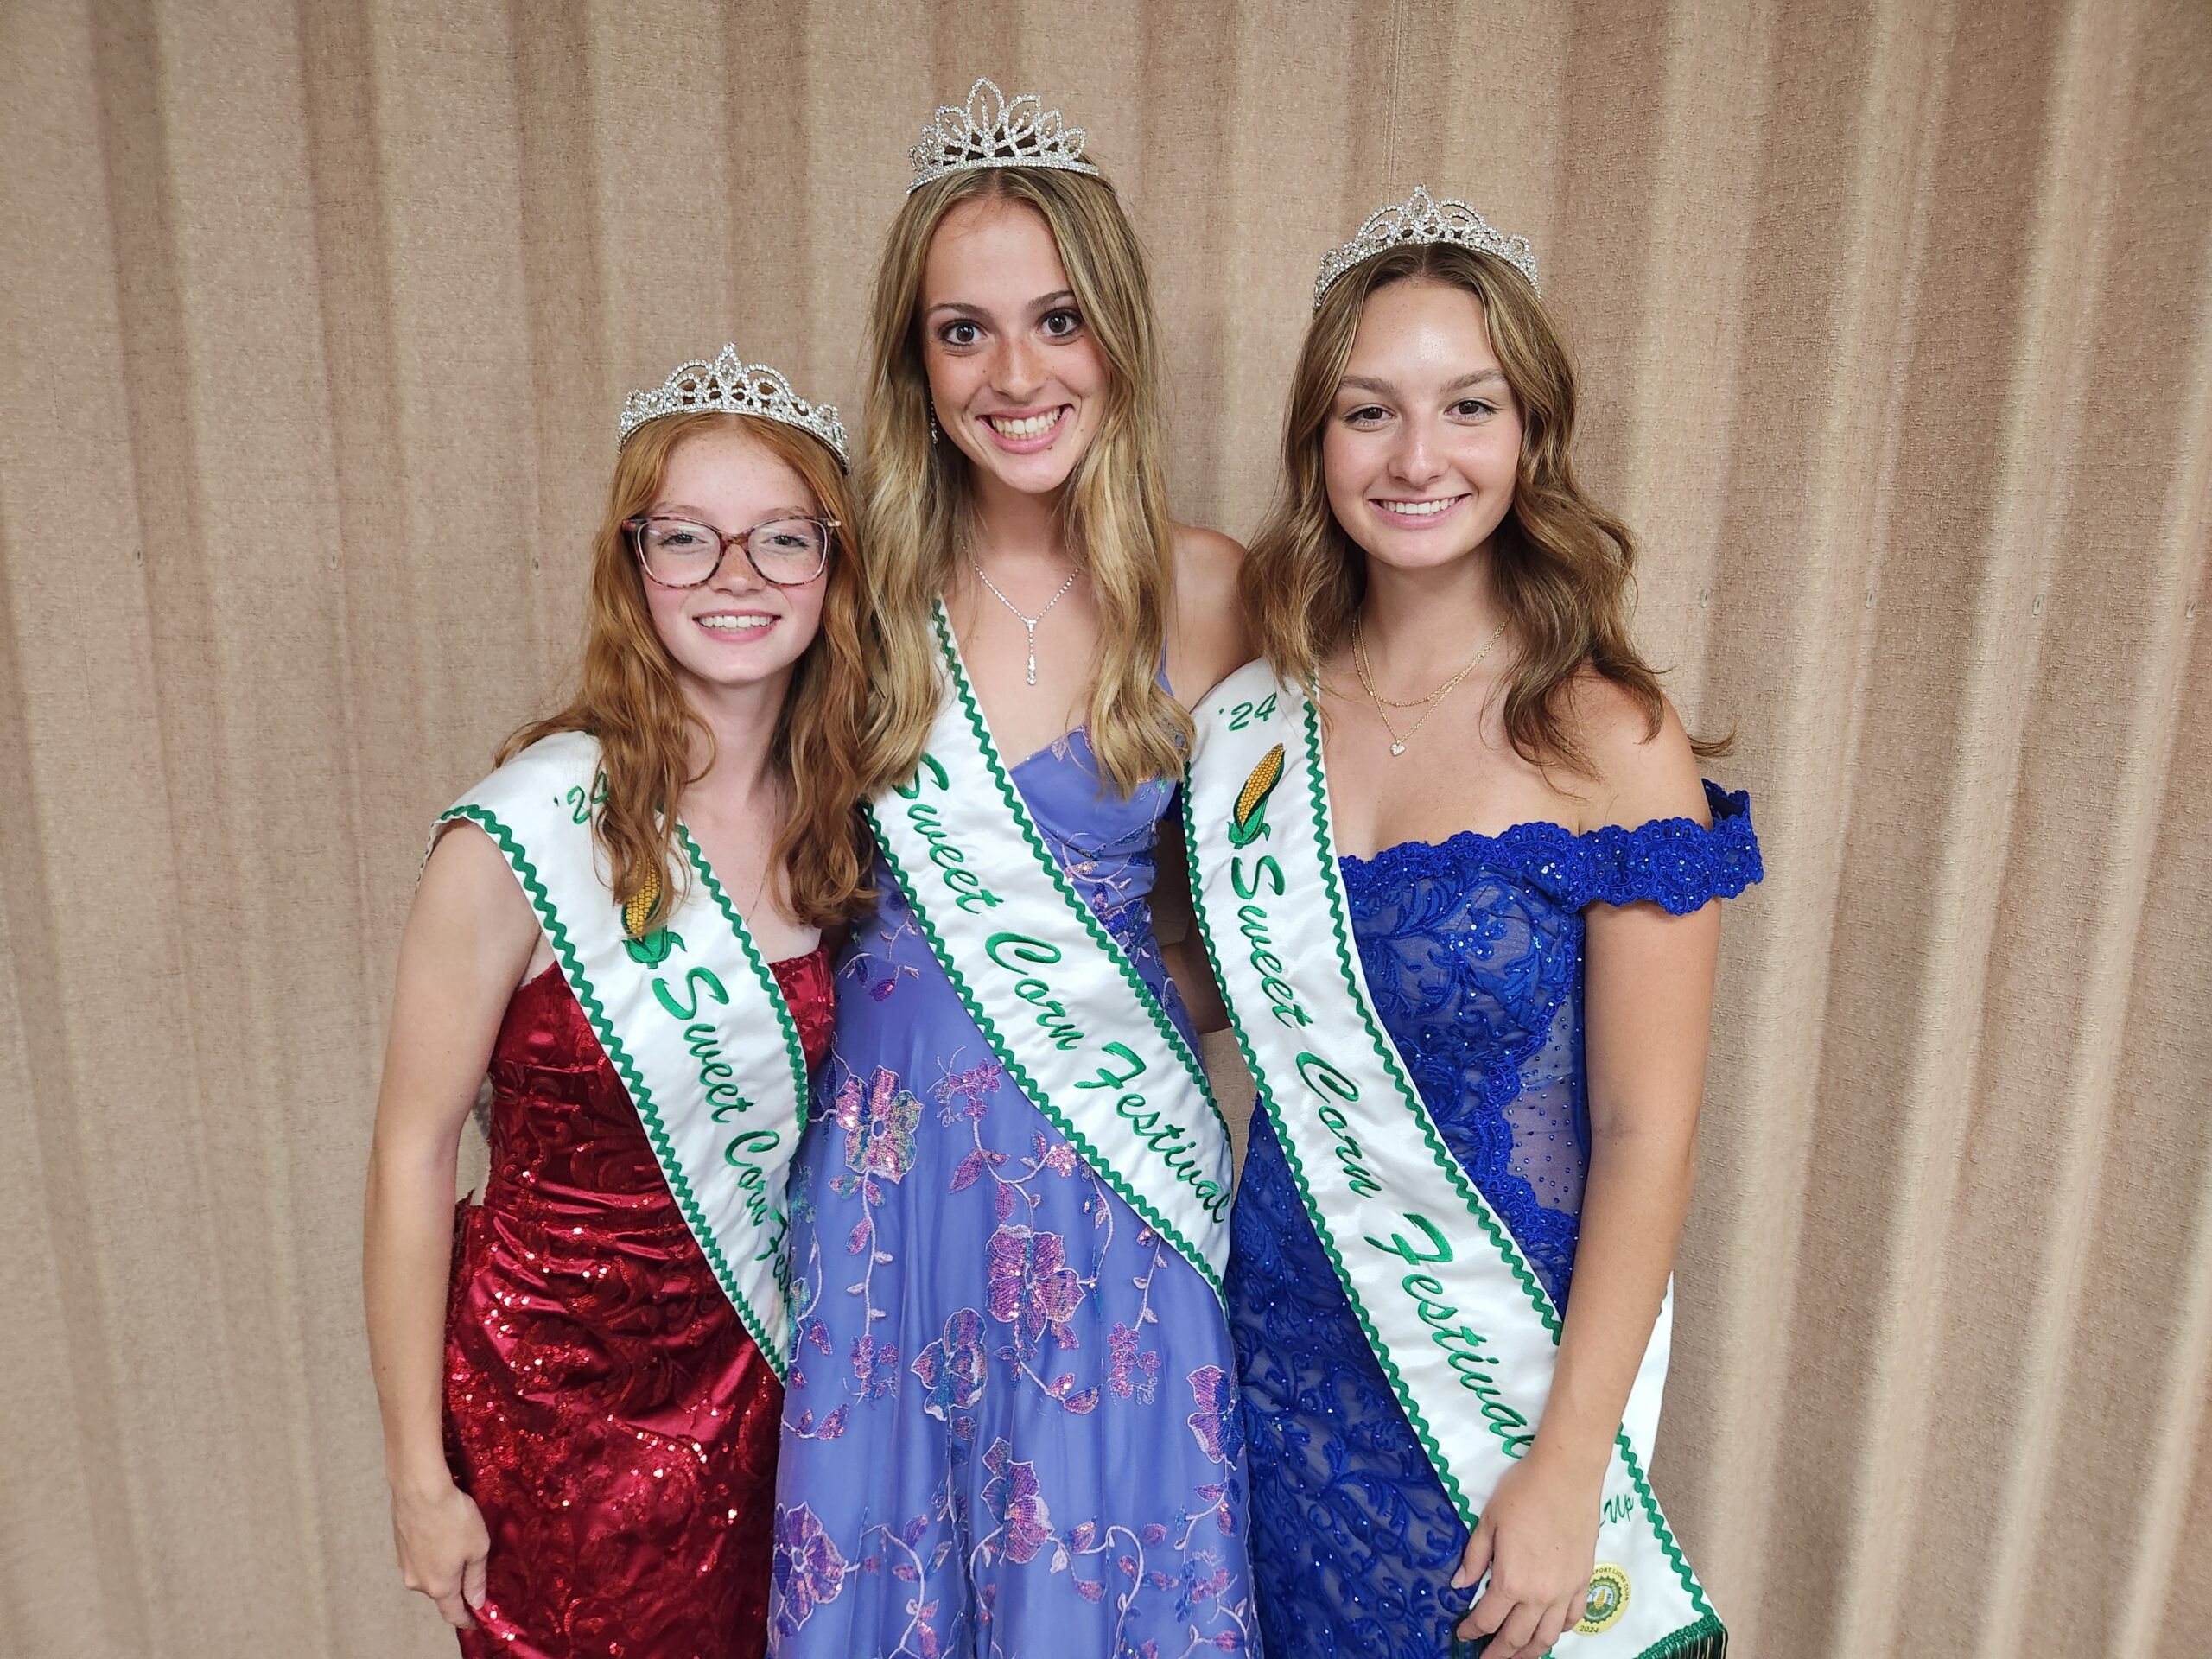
[[1608, 1599]]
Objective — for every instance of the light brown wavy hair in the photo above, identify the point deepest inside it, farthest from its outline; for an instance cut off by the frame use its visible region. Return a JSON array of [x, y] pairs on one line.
[[918, 509], [1562, 566], [629, 698]]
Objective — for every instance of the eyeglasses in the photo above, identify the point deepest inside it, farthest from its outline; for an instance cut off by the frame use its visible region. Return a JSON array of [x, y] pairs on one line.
[[677, 553]]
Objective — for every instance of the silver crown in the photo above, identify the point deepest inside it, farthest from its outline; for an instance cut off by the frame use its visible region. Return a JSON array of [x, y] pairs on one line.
[[1421, 218], [735, 387], [993, 132]]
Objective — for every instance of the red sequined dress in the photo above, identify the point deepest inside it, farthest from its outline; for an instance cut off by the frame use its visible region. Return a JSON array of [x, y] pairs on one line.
[[604, 1407]]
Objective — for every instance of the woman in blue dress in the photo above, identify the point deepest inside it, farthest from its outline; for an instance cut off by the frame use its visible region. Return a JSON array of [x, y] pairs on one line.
[[1012, 1425], [1530, 861]]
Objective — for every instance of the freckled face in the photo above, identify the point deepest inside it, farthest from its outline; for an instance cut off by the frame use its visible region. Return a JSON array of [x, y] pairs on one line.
[[1017, 380], [736, 628], [1423, 442]]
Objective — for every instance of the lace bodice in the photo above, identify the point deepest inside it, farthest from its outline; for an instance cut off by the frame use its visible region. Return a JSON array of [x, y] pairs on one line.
[[1472, 949]]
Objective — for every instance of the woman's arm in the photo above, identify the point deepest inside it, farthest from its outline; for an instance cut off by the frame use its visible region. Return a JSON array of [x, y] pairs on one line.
[[1174, 925], [1206, 637], [1647, 1012], [468, 940], [1206, 642]]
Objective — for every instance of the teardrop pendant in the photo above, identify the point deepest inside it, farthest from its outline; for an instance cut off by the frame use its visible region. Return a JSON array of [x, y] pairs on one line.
[[1029, 623]]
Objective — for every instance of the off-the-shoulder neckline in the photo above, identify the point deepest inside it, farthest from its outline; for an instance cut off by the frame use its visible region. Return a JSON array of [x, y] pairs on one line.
[[1728, 807]]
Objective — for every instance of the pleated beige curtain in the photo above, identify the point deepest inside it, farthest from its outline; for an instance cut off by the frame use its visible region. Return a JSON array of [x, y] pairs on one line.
[[1895, 323]]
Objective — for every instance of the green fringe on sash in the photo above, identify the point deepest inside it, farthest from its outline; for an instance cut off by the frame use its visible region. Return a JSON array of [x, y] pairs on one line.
[[1705, 1639]]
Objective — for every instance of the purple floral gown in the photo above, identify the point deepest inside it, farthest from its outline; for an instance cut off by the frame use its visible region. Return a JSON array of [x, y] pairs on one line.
[[1012, 1425]]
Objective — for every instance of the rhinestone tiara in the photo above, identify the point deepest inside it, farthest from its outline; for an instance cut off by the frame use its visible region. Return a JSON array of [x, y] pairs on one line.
[[993, 131], [1419, 219], [735, 387]]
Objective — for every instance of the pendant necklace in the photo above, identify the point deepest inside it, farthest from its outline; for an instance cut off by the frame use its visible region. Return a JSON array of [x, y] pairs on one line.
[[1028, 622], [1427, 704]]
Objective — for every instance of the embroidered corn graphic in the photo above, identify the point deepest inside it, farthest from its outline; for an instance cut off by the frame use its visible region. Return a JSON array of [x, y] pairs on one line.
[[640, 905], [1247, 821]]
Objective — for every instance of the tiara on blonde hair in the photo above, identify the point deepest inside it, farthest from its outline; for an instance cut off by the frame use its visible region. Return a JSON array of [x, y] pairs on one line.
[[732, 386], [1421, 218], [992, 131]]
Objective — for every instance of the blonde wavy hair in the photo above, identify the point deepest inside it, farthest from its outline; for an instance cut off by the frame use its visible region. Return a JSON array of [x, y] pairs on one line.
[[917, 511], [1562, 566], [629, 698]]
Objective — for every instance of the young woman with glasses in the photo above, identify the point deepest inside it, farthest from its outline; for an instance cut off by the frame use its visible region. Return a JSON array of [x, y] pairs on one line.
[[621, 928]]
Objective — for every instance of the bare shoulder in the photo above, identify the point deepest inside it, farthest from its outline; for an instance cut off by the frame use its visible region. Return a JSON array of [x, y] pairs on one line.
[[1207, 638], [468, 884], [1205, 557], [1642, 774]]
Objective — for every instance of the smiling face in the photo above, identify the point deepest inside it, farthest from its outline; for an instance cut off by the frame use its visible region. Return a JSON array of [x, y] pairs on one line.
[[1017, 381], [735, 629], [1422, 443]]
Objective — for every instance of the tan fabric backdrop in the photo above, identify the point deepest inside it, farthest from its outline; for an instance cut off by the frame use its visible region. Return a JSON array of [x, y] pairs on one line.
[[1896, 325]]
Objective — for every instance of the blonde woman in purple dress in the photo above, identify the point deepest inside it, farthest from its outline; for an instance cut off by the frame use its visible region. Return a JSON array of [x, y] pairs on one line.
[[1012, 1425]]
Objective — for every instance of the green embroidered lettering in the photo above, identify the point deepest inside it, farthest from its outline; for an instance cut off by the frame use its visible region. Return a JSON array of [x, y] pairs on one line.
[[1015, 950], [1252, 922], [699, 1038], [1283, 1003], [751, 1179], [1324, 1079], [773, 1250], [1437, 1242], [1106, 1079], [931, 766], [1265, 869], [967, 893], [1358, 1177], [1431, 1314], [1025, 952], [697, 980], [1462, 1344]]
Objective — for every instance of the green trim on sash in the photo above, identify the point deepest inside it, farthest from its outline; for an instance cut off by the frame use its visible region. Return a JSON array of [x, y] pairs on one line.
[[774, 1347], [1704, 1638], [965, 708], [1099, 1166], [794, 1046], [1083, 912]]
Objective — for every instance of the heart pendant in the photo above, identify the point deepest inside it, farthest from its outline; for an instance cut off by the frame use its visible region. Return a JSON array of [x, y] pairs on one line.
[[1397, 748]]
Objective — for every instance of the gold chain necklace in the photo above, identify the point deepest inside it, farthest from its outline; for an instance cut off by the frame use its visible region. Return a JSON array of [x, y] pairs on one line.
[[1427, 704]]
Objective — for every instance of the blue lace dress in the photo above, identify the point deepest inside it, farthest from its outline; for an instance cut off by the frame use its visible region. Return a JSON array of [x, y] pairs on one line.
[[1472, 947], [1012, 1427]]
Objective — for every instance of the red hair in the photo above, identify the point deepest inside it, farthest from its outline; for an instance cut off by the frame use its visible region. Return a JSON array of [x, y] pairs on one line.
[[628, 697]]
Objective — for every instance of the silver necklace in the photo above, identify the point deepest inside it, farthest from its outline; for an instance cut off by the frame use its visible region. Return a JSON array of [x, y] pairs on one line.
[[1028, 622]]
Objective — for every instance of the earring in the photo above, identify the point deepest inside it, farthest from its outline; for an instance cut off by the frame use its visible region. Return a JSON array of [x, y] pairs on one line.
[[933, 427]]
